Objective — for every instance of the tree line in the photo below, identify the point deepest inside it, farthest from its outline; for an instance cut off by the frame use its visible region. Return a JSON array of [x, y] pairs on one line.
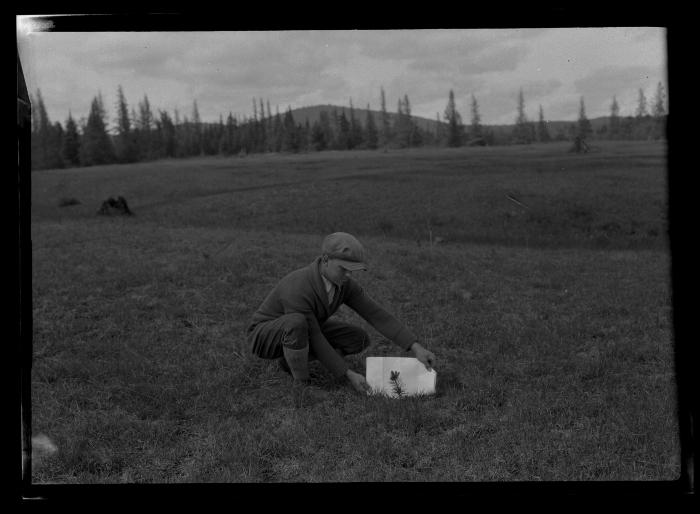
[[142, 134]]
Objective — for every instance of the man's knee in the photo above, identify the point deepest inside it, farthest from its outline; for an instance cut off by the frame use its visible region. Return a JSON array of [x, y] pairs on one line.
[[357, 341], [295, 331]]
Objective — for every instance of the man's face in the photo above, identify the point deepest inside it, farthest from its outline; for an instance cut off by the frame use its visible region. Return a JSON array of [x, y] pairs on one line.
[[334, 272]]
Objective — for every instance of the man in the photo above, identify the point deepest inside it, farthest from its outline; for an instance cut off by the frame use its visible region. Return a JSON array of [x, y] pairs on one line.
[[292, 324]]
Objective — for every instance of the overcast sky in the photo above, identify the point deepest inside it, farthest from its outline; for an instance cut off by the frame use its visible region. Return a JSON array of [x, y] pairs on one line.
[[224, 71]]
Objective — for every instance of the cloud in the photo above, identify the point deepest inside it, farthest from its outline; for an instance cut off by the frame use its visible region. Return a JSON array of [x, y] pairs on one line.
[[599, 87]]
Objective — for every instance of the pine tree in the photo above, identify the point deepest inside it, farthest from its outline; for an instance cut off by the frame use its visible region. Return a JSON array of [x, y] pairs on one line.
[[454, 122], [291, 139], [385, 130], [318, 140], [71, 143], [169, 139], [521, 131], [404, 126], [659, 112], [476, 120], [343, 131], [56, 146], [400, 130], [542, 130], [614, 130], [329, 137], [262, 129], [659, 109], [145, 127], [439, 135], [96, 145], [196, 141], [125, 144], [372, 134], [354, 138], [584, 124], [279, 131], [641, 105], [45, 141]]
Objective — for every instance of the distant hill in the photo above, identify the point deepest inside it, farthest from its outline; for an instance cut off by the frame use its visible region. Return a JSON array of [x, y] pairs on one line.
[[313, 114]]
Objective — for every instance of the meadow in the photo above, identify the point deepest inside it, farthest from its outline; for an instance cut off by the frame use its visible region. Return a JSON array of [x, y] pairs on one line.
[[539, 278]]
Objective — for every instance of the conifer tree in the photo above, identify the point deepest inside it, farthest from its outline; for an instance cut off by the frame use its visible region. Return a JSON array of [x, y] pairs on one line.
[[454, 122], [329, 136], [125, 143], [584, 124], [385, 129], [372, 134], [522, 131], [439, 135], [659, 112], [614, 123], [659, 108], [262, 129], [279, 131], [291, 139], [641, 105], [145, 126], [45, 138], [96, 145], [71, 143], [318, 140], [476, 119], [197, 131], [343, 131], [542, 130], [356, 136], [169, 139]]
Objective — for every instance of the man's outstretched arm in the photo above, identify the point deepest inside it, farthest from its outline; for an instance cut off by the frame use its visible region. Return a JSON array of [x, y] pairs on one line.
[[387, 324]]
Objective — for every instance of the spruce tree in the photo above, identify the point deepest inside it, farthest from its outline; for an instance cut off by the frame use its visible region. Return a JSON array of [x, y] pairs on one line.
[[41, 134], [329, 136], [291, 139], [96, 145], [659, 108], [385, 129], [542, 130], [356, 136], [125, 144], [145, 130], [614, 122], [659, 112], [71, 143], [197, 147], [476, 120], [343, 131], [454, 122], [372, 134], [584, 124], [521, 131], [169, 139], [318, 140], [641, 105]]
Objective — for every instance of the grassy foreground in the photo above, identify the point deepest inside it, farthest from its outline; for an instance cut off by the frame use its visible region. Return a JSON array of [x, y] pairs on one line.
[[553, 337]]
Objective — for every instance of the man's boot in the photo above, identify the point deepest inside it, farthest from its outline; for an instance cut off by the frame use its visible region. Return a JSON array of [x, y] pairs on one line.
[[303, 394], [297, 362]]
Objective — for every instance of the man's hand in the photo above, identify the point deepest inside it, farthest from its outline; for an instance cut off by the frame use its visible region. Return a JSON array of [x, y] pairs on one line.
[[357, 381], [425, 356]]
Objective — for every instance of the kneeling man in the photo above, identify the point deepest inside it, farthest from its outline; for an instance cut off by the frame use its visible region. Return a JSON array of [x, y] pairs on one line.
[[292, 324]]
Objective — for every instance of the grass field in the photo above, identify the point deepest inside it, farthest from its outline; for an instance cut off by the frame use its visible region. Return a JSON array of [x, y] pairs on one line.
[[550, 317]]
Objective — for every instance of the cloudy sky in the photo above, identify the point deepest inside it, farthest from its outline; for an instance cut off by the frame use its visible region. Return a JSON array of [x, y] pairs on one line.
[[224, 71]]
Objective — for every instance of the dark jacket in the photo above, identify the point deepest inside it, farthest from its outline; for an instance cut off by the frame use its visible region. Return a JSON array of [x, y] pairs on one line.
[[302, 291]]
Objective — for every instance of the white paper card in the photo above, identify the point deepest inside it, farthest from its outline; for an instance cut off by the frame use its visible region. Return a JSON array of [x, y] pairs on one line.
[[399, 376]]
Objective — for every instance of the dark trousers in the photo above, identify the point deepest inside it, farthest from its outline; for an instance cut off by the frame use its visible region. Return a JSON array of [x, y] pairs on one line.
[[292, 330]]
